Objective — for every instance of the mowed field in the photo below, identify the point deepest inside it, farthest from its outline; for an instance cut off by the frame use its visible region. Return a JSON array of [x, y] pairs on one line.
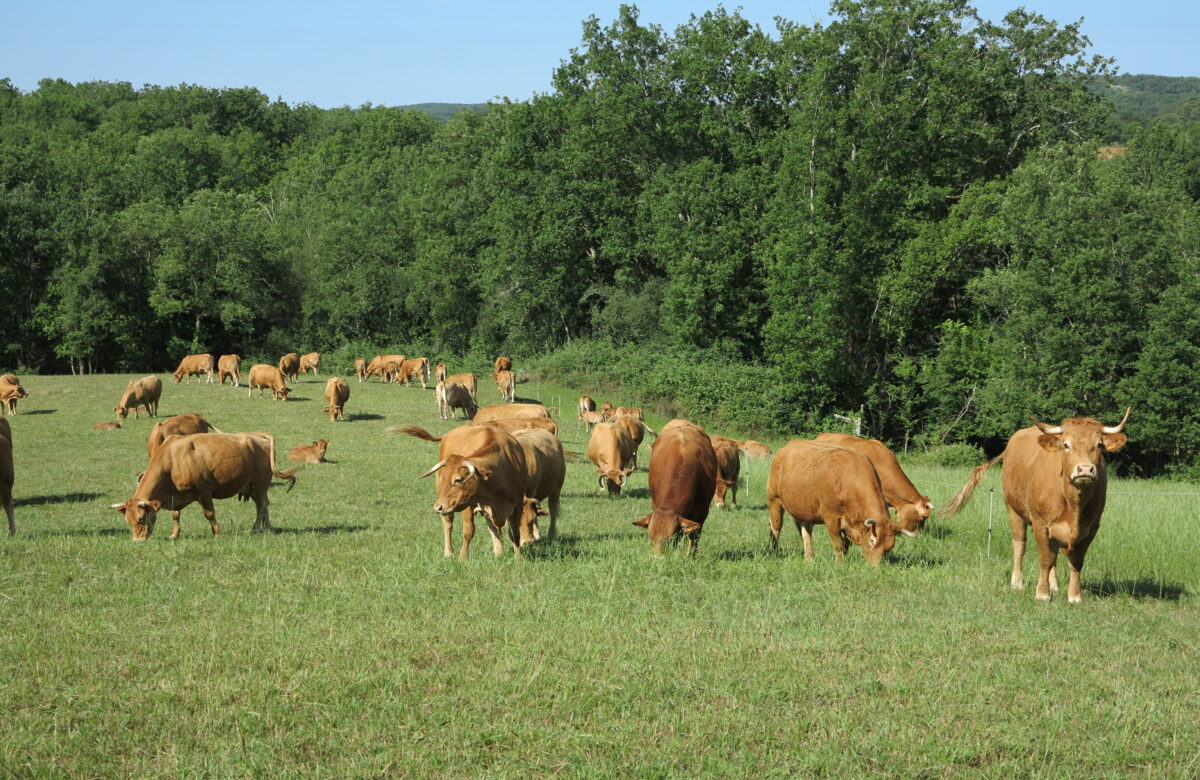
[[345, 645]]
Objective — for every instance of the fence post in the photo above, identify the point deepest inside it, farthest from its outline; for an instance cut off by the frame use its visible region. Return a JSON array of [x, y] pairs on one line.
[[991, 503]]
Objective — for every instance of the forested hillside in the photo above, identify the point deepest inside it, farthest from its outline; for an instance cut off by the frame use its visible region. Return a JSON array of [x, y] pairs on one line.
[[903, 211], [1141, 100]]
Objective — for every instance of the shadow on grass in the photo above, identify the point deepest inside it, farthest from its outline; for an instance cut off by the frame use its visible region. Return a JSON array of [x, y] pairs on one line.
[[568, 545], [751, 554], [357, 417], [913, 560], [90, 532], [1143, 588], [323, 529], [61, 498], [40, 411]]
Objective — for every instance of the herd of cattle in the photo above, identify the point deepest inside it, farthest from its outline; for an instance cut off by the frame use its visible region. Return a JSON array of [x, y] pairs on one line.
[[507, 460]]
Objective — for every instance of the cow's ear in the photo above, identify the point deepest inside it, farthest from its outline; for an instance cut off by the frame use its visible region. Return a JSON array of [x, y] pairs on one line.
[[1050, 442], [119, 507], [643, 522], [689, 526], [483, 471], [1114, 441]]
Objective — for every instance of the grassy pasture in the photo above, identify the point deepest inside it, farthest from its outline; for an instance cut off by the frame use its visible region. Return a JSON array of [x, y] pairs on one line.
[[345, 645]]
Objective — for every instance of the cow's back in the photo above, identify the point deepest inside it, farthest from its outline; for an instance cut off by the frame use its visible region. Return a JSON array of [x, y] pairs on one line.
[[683, 472], [508, 411], [337, 391], [818, 481], [545, 462], [222, 464]]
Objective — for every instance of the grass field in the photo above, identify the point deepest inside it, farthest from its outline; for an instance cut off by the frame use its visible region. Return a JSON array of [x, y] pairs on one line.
[[345, 645]]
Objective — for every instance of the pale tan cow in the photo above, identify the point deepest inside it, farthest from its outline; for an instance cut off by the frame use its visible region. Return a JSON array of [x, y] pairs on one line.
[[451, 396], [360, 369], [439, 372], [506, 381], [230, 366], [337, 392], [510, 411], [179, 425], [194, 365], [310, 453], [310, 361], [523, 424], [263, 377], [289, 366], [468, 381], [502, 364], [546, 468], [138, 393], [611, 449], [413, 368], [10, 391]]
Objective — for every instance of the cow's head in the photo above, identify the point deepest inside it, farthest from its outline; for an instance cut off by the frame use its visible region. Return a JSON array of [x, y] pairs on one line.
[[531, 510], [319, 446], [911, 515], [458, 483], [283, 392], [878, 537], [140, 514], [177, 376], [722, 486], [122, 412], [614, 480], [663, 524], [1082, 442]]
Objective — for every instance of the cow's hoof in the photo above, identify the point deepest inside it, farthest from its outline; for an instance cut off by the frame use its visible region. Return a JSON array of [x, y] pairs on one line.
[[1042, 596]]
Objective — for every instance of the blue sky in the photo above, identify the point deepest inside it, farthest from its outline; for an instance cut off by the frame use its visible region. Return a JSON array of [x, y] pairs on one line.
[[457, 51]]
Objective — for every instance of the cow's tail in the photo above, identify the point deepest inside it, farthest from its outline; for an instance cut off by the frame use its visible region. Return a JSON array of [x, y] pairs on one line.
[[290, 475], [649, 430], [951, 507], [572, 457], [413, 430]]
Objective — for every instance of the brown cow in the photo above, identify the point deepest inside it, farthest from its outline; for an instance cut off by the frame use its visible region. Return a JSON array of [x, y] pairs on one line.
[[502, 364], [468, 381], [7, 473], [479, 466], [683, 476], [269, 377], [374, 367], [523, 424], [194, 365], [230, 366], [1054, 479], [611, 449], [912, 509], [755, 449], [414, 368], [507, 382], [729, 467], [591, 419], [179, 425], [546, 468], [510, 412], [138, 393], [360, 369], [310, 453], [636, 430], [451, 396], [389, 367], [337, 392], [820, 483], [439, 372], [289, 366], [200, 468], [10, 391], [310, 361]]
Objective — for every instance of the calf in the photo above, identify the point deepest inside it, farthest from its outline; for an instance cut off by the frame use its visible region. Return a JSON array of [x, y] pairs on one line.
[[107, 426], [10, 391], [729, 467], [230, 366], [337, 392], [683, 476], [506, 382], [360, 369], [263, 377], [439, 372], [138, 393], [591, 419], [309, 453], [755, 449]]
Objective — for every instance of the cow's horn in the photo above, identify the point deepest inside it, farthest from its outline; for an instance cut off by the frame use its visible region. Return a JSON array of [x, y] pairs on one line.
[[1053, 430], [471, 468], [870, 521], [1107, 429], [603, 477], [436, 466], [906, 532]]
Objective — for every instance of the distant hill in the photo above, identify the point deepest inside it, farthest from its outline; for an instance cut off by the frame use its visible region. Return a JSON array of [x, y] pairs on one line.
[[1141, 99], [443, 111]]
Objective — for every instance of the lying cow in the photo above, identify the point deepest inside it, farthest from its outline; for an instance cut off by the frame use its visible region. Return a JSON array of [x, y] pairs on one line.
[[479, 466], [107, 426], [201, 468], [611, 449], [820, 483], [7, 473], [683, 476], [194, 365], [451, 396], [729, 467], [1054, 479], [230, 367], [139, 393], [337, 392], [289, 366], [310, 361], [912, 509], [179, 425], [506, 381], [270, 378], [309, 453]]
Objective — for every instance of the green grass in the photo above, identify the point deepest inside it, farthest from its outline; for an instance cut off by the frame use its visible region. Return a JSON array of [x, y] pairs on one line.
[[345, 645]]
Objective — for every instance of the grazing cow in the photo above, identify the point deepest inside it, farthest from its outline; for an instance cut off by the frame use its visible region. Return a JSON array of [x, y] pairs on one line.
[[200, 468], [439, 372], [507, 384], [310, 361], [374, 367], [502, 364], [451, 396], [636, 430], [179, 425], [230, 366], [479, 466], [138, 393], [360, 369], [611, 449], [1054, 479], [414, 368], [591, 419], [309, 453], [510, 412], [194, 365], [388, 367], [289, 366], [468, 381], [337, 392], [269, 377], [7, 473], [10, 391], [606, 411], [546, 468], [755, 449], [683, 476], [729, 466], [107, 426], [912, 509], [820, 483]]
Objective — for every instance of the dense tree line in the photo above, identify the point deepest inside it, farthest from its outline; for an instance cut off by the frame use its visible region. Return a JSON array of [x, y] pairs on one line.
[[902, 211]]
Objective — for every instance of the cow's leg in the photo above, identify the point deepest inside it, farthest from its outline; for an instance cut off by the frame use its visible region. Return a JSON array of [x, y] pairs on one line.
[[775, 508], [1018, 544], [447, 527], [468, 520], [553, 514], [175, 524], [805, 530], [514, 529], [835, 538], [1075, 559], [8, 510], [693, 543], [497, 532], [262, 519], [210, 512], [1047, 557]]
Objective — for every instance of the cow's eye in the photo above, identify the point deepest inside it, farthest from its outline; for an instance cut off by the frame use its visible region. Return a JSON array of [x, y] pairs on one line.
[[1067, 446]]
